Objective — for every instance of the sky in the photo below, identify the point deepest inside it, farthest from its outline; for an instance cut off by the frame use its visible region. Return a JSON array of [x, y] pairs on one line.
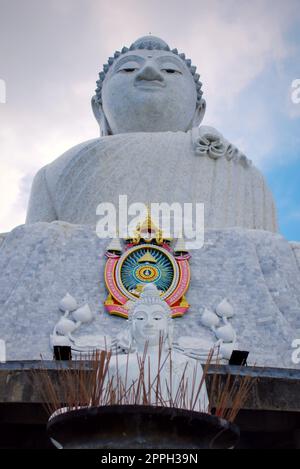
[[248, 55]]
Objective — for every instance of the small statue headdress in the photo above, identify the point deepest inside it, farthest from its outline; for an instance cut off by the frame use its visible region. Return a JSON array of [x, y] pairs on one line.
[[149, 296]]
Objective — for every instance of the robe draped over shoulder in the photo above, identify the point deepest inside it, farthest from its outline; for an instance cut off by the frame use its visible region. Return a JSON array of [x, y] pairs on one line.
[[151, 167]]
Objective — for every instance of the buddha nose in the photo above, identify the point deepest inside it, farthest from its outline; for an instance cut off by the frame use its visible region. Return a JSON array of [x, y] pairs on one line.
[[149, 323], [149, 72]]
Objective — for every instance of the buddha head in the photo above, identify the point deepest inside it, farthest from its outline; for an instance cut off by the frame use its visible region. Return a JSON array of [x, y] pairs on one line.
[[150, 319], [148, 88]]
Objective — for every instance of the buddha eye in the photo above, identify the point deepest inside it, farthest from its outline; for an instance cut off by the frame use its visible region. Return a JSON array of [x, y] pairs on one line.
[[129, 67], [170, 71]]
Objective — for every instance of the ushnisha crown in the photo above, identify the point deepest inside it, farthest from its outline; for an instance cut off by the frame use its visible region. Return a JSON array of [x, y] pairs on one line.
[[148, 43], [149, 296]]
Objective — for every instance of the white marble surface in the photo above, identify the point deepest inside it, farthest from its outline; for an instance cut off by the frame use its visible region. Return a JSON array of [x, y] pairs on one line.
[[151, 167], [257, 271]]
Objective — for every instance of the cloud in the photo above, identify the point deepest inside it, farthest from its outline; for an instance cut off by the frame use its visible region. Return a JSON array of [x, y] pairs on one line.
[[294, 215], [293, 99], [51, 53]]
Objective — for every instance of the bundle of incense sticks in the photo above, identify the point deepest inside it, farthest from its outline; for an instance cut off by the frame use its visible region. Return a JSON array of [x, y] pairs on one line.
[[87, 382]]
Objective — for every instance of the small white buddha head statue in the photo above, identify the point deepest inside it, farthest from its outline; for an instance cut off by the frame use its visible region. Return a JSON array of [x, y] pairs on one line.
[[150, 321], [148, 88]]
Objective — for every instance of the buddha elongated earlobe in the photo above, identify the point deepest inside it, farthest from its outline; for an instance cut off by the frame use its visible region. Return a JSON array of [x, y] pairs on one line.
[[131, 342], [170, 341], [170, 333], [199, 113], [100, 117], [131, 330]]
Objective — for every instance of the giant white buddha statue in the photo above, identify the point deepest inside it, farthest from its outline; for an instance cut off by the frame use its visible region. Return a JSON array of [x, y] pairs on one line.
[[149, 106], [153, 148]]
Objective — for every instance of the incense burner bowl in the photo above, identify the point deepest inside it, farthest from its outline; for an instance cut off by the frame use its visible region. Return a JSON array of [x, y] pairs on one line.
[[140, 427]]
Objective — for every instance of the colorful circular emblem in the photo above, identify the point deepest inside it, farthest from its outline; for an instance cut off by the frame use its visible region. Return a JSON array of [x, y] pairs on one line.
[[143, 264]]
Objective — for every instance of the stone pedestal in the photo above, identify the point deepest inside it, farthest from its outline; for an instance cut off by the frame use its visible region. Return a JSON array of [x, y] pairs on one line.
[[257, 271]]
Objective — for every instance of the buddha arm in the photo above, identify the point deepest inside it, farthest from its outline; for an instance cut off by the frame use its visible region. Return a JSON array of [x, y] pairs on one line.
[[40, 207]]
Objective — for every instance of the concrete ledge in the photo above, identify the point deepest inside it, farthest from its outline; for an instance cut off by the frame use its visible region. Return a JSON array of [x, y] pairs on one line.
[[269, 419], [275, 389]]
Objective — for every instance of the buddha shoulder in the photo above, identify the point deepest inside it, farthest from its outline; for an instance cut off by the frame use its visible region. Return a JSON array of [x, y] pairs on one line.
[[41, 206], [209, 142], [63, 164]]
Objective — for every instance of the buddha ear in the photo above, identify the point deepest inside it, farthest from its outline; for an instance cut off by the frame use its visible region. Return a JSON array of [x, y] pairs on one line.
[[100, 117], [199, 113]]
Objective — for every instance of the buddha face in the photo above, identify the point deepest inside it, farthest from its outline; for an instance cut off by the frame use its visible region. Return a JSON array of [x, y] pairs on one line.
[[149, 323], [149, 91]]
